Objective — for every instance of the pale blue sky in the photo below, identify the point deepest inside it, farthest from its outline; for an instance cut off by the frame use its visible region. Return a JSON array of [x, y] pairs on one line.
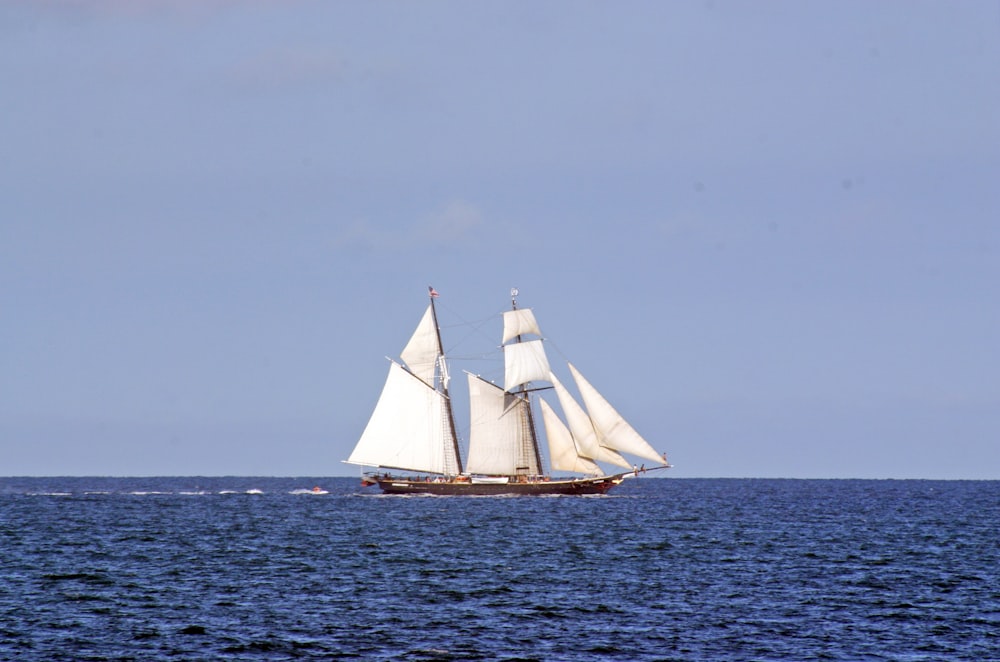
[[767, 231]]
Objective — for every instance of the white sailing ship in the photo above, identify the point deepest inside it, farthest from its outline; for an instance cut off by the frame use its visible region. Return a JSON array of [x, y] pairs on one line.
[[412, 428]]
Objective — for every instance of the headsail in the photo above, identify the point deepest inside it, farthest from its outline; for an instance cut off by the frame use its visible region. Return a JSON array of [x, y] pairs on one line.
[[582, 428], [613, 430], [563, 455]]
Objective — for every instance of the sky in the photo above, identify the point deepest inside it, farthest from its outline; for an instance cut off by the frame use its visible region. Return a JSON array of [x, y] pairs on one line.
[[766, 231]]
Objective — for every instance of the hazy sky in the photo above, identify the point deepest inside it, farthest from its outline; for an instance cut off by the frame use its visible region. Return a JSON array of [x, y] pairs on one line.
[[767, 231]]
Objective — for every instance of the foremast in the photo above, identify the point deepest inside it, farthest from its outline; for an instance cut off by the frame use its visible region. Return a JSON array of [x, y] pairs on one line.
[[530, 456], [595, 434]]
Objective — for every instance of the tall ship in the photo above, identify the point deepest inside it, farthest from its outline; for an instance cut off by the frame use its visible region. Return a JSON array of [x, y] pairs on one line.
[[412, 429]]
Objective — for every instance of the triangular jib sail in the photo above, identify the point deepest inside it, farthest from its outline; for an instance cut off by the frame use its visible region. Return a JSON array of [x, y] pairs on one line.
[[582, 428], [563, 452], [614, 431]]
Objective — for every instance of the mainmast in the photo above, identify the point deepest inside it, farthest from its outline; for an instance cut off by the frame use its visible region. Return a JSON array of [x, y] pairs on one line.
[[531, 438], [445, 378]]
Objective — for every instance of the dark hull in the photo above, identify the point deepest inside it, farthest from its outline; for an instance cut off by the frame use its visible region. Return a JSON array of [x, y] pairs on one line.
[[539, 488]]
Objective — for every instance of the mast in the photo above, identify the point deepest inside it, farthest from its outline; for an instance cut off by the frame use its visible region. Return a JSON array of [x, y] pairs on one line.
[[443, 368], [531, 438]]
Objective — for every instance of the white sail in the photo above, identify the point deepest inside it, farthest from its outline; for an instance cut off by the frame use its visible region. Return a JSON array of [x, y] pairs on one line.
[[524, 362], [421, 353], [562, 451], [582, 428], [496, 432], [408, 429], [614, 431], [519, 322]]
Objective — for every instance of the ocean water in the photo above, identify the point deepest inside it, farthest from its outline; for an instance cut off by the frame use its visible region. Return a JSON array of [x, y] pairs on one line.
[[660, 569]]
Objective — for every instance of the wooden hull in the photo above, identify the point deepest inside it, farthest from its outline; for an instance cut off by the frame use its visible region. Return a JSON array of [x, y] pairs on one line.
[[464, 488]]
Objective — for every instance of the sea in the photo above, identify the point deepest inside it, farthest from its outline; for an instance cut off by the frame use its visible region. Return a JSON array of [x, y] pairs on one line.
[[240, 568]]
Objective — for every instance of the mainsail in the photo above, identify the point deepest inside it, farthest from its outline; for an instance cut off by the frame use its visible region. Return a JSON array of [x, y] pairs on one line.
[[413, 425], [408, 429]]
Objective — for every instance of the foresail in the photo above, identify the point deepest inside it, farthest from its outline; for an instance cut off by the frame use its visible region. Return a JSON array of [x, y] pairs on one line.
[[519, 322], [524, 362], [582, 429], [562, 451], [613, 430], [496, 432], [421, 354], [408, 429]]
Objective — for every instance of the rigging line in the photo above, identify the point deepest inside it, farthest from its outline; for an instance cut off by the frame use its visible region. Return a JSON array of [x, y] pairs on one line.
[[551, 343], [478, 356], [475, 327], [475, 323], [474, 330]]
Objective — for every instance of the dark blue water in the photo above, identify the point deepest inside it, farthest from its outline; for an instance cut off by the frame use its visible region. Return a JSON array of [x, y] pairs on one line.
[[671, 569]]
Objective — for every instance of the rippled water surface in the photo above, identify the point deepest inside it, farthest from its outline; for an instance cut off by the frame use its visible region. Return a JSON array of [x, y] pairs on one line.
[[660, 569]]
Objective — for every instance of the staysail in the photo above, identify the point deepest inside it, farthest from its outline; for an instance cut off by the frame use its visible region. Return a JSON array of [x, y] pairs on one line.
[[563, 453], [613, 430], [582, 429]]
